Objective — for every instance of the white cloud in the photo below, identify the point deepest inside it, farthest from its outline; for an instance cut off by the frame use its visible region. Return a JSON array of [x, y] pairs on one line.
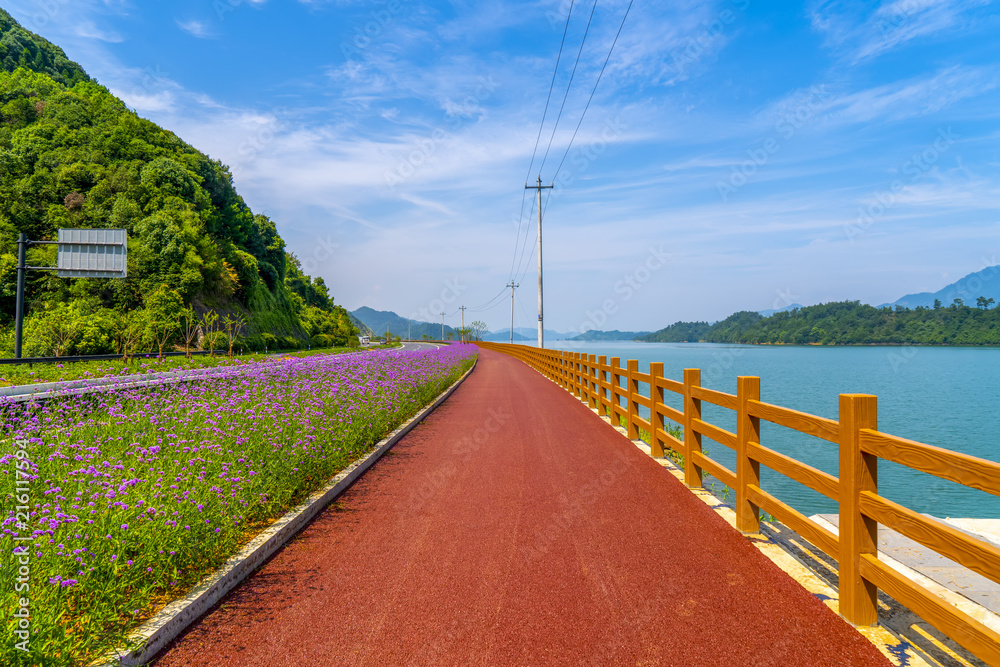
[[859, 34], [196, 28], [89, 30], [831, 104]]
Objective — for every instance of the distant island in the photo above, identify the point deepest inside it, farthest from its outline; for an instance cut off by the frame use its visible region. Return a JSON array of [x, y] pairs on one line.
[[849, 323], [594, 335]]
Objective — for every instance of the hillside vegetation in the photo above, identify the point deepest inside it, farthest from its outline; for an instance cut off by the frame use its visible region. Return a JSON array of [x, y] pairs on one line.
[[74, 156], [849, 323]]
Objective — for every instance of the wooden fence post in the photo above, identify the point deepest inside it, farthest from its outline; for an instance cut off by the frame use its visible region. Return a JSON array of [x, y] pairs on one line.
[[602, 393], [633, 406], [615, 404], [692, 440], [655, 418], [590, 381], [577, 372], [858, 534], [747, 470], [564, 362]]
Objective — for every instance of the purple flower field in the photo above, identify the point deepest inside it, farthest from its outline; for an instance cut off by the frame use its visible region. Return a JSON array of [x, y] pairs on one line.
[[119, 501]]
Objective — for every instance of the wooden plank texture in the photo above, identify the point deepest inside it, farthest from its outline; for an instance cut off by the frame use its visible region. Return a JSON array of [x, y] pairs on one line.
[[977, 555], [858, 533], [962, 469], [720, 435], [670, 441], [967, 631], [715, 469], [670, 413], [670, 385], [715, 397], [826, 429], [817, 480], [800, 523]]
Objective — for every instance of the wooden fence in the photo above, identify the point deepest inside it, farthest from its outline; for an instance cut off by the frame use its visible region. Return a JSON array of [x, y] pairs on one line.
[[614, 391]]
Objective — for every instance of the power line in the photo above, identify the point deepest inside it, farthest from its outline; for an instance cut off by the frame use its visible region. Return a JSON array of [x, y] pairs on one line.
[[555, 71], [499, 302], [520, 304], [591, 98], [502, 292], [517, 237], [525, 243], [568, 86], [528, 265], [548, 98]]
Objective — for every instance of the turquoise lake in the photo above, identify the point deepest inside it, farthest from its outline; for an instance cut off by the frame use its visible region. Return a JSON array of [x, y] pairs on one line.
[[948, 397]]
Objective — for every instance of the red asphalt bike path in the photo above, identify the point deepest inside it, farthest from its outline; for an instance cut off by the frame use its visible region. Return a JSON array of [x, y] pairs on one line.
[[515, 527]]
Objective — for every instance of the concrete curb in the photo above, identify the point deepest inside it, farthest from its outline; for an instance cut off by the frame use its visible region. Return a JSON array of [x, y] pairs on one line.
[[173, 619]]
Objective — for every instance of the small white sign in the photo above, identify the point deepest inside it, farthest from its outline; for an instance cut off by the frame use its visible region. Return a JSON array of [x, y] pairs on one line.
[[92, 253]]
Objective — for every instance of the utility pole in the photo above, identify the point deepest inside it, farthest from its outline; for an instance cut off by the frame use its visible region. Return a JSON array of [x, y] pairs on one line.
[[22, 242], [541, 321], [462, 308], [512, 287], [442, 326], [408, 337]]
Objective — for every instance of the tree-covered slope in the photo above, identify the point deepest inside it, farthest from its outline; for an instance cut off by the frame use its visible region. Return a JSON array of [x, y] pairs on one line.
[[850, 323], [74, 156], [614, 334], [20, 48]]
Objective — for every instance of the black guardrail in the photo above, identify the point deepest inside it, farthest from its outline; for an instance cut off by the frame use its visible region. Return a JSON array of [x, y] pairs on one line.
[[94, 357]]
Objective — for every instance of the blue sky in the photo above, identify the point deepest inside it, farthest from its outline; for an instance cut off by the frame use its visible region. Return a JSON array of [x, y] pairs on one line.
[[737, 154]]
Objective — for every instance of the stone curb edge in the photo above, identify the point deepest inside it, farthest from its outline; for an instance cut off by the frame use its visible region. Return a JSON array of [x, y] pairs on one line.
[[173, 619]]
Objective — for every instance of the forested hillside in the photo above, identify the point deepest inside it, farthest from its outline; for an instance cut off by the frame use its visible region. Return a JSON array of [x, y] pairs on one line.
[[74, 156], [381, 321], [849, 323]]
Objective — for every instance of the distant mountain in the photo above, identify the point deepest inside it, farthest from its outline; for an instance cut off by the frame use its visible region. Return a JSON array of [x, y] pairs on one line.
[[379, 321], [854, 323], [531, 333], [503, 336], [985, 283], [772, 311], [610, 335], [363, 328], [848, 323], [680, 332]]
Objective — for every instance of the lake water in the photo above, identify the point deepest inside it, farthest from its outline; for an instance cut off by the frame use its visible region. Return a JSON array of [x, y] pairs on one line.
[[948, 397]]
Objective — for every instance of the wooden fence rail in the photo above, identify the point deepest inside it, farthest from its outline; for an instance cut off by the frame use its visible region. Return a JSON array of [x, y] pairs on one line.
[[614, 391]]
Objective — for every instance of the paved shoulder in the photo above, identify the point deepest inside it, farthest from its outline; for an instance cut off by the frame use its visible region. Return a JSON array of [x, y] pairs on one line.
[[513, 527]]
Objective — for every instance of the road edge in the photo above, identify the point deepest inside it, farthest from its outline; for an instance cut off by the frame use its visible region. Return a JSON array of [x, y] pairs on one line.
[[173, 619]]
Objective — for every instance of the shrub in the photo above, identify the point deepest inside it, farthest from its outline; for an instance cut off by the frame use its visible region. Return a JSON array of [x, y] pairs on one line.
[[321, 340], [217, 341], [288, 343]]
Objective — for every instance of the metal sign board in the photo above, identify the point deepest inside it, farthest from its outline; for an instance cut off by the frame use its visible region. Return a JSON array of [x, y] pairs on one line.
[[92, 253]]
